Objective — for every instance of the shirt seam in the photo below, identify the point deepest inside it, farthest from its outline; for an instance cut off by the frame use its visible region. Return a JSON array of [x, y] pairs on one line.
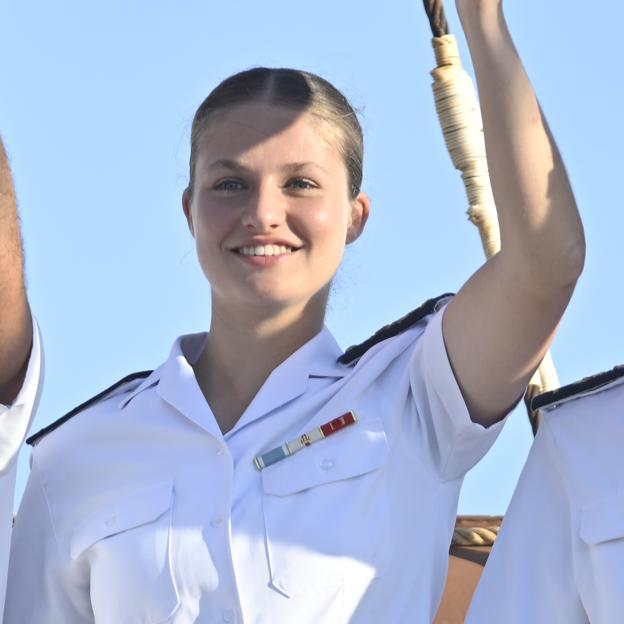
[[36, 471]]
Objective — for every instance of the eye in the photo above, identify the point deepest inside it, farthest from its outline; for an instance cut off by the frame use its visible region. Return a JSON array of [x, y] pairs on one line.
[[300, 184], [229, 186]]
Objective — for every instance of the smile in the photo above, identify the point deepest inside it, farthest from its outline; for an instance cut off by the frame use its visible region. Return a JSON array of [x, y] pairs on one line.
[[265, 250]]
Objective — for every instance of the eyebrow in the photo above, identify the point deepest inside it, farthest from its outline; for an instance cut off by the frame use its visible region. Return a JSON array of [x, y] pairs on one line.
[[233, 165], [224, 163]]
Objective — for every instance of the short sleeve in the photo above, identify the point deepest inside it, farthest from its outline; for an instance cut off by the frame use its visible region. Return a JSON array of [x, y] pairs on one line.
[[456, 442], [14, 423], [15, 419], [39, 589], [529, 575]]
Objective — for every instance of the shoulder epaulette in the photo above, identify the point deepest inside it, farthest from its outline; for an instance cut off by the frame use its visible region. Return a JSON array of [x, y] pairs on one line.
[[33, 439], [585, 385], [393, 329]]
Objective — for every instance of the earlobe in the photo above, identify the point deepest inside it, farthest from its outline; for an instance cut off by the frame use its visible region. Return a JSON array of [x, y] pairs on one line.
[[186, 208], [360, 209]]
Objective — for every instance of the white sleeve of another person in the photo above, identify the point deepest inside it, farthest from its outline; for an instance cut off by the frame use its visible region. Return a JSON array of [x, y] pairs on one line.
[[15, 421], [529, 575]]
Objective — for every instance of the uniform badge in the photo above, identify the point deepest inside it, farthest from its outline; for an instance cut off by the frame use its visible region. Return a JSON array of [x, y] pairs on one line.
[[306, 439]]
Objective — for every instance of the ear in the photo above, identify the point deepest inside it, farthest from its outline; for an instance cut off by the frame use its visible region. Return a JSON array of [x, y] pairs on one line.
[[186, 207], [360, 209]]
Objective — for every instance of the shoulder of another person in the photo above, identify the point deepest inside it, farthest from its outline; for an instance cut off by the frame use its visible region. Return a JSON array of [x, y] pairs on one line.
[[125, 385], [355, 352], [585, 423], [592, 386]]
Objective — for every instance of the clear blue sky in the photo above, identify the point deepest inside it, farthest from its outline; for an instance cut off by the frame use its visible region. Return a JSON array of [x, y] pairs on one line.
[[95, 110]]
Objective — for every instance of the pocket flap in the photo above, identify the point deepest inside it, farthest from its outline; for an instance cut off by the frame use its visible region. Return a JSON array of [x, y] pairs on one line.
[[130, 509], [603, 520], [354, 451]]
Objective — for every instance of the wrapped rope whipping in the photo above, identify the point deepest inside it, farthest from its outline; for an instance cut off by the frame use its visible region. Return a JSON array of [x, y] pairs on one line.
[[475, 536], [460, 119]]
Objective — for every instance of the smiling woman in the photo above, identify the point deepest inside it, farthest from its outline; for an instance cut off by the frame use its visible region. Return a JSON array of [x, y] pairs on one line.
[[261, 197], [260, 474]]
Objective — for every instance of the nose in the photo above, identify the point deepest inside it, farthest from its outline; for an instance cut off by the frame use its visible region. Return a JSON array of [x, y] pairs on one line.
[[265, 210]]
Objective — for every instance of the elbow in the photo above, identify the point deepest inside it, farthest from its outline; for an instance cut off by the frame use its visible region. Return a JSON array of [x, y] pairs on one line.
[[571, 261], [554, 267], [560, 252], [576, 260], [563, 271]]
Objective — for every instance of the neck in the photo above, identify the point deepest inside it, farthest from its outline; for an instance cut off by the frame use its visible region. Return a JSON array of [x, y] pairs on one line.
[[244, 347]]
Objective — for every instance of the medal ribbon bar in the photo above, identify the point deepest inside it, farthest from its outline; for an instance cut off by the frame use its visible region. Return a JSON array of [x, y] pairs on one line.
[[290, 448]]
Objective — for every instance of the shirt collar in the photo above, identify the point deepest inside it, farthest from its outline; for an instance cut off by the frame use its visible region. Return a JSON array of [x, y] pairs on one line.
[[176, 383]]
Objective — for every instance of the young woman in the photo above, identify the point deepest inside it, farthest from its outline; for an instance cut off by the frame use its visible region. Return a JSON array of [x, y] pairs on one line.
[[259, 474]]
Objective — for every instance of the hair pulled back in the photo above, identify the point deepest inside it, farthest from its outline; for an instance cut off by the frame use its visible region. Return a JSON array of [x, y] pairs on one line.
[[289, 88]]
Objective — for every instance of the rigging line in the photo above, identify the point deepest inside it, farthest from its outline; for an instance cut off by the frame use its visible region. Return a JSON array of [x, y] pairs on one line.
[[437, 18]]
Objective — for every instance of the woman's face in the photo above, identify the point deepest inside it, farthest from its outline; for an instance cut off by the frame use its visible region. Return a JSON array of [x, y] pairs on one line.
[[270, 209]]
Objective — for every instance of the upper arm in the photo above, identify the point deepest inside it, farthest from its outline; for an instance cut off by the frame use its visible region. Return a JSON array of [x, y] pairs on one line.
[[16, 338], [529, 574], [15, 320], [15, 419], [453, 441], [496, 333]]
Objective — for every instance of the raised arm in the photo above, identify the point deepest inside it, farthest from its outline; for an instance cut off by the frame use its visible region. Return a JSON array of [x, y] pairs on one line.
[[15, 321], [502, 321]]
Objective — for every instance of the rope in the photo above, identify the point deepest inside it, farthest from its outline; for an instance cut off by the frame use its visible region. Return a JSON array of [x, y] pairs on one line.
[[460, 118], [437, 19], [545, 379], [474, 536]]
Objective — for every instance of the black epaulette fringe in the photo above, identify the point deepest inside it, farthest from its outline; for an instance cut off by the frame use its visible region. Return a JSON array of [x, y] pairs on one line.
[[587, 384], [33, 439], [355, 352]]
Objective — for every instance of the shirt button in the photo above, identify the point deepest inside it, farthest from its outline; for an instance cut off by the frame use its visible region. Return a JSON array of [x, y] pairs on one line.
[[228, 615], [216, 522], [220, 451], [327, 463]]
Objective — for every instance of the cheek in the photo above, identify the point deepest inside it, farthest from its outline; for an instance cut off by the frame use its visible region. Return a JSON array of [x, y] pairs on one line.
[[210, 228], [328, 225], [211, 223]]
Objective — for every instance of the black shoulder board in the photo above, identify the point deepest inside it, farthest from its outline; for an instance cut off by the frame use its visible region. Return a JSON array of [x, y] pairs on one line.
[[587, 384], [33, 439], [393, 329]]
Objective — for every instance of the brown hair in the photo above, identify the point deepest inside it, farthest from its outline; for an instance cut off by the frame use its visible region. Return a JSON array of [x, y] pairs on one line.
[[290, 88]]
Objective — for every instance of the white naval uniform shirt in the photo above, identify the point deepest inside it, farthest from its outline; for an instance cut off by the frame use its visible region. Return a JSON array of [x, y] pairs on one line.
[[139, 510], [559, 557], [15, 420]]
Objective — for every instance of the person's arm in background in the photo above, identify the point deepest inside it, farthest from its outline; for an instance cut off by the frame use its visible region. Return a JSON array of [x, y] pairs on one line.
[[501, 323], [20, 359], [16, 328]]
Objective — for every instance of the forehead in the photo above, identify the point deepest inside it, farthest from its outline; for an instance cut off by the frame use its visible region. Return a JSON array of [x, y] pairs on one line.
[[270, 134]]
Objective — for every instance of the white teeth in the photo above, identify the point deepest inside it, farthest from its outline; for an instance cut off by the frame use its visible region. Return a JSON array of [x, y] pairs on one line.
[[265, 250]]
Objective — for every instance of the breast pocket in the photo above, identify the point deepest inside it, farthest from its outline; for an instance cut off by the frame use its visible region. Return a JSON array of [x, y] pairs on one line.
[[326, 522], [127, 545]]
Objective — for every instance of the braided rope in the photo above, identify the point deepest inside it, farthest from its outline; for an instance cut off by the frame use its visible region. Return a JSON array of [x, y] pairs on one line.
[[437, 18], [474, 536], [460, 117]]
